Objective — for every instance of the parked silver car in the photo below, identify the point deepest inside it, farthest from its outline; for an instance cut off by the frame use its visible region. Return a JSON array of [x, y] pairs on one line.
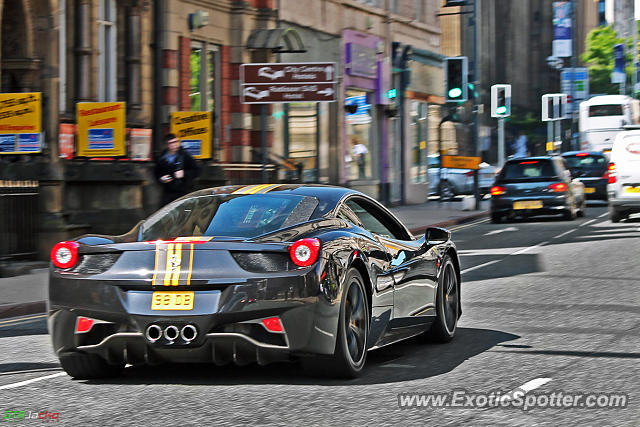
[[458, 181]]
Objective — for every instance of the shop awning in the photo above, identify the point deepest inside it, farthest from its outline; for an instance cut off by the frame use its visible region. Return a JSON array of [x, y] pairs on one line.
[[278, 40]]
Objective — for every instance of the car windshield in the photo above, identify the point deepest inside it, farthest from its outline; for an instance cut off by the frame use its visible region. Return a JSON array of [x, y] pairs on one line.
[[233, 215], [528, 169], [587, 164]]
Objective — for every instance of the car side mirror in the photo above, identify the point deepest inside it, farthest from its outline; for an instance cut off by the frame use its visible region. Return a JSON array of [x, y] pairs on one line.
[[436, 236]]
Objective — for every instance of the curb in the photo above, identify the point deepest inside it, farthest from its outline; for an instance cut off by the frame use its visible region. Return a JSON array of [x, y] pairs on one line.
[[451, 222], [22, 309]]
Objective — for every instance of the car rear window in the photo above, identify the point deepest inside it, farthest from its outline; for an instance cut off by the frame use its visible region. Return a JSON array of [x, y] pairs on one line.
[[586, 163], [528, 169], [233, 215], [605, 110]]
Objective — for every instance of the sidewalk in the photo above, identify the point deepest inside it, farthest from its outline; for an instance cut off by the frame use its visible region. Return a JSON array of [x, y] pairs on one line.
[[26, 294]]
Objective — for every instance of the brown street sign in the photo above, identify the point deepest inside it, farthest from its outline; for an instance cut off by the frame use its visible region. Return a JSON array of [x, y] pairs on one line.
[[300, 92], [302, 72]]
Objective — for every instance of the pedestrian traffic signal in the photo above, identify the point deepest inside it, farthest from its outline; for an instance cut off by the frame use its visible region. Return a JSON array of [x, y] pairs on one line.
[[500, 101], [456, 76]]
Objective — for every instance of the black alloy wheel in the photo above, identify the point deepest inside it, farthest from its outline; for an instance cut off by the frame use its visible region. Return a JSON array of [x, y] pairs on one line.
[[350, 353], [447, 304]]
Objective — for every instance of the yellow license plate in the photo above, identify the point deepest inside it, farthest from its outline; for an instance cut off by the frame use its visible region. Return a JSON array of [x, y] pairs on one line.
[[528, 204], [632, 189], [172, 301], [589, 190]]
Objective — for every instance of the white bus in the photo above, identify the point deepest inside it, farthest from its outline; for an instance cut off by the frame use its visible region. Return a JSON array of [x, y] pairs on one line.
[[602, 117]]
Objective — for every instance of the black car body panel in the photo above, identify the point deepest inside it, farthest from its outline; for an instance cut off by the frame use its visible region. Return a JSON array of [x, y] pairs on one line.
[[237, 281]]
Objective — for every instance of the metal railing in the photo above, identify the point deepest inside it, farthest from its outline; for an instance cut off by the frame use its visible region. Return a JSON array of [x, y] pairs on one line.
[[18, 219]]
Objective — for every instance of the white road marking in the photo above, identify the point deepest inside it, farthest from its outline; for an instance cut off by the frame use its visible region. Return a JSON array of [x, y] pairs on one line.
[[587, 223], [603, 215], [525, 388], [466, 270], [565, 233], [521, 251], [502, 230], [460, 227], [534, 384], [33, 380]]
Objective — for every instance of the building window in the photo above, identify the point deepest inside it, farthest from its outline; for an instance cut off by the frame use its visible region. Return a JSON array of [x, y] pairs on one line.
[[107, 50], [203, 70], [601, 12]]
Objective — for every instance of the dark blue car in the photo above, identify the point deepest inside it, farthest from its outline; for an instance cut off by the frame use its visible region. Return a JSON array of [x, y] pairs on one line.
[[590, 168]]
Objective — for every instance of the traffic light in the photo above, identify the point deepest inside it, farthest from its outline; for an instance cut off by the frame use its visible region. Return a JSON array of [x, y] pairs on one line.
[[554, 107], [500, 101], [456, 76]]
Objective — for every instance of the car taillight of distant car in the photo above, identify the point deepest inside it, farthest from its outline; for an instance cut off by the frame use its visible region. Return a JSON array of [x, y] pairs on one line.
[[610, 175], [498, 190], [558, 187]]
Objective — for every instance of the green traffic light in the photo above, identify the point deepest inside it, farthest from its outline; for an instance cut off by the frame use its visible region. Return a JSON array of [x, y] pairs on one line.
[[456, 92], [392, 93], [501, 110]]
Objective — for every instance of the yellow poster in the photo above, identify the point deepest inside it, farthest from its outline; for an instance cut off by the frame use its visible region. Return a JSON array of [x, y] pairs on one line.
[[20, 123], [101, 129], [194, 130]]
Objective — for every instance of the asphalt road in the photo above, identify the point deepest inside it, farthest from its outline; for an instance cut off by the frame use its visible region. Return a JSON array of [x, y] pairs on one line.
[[548, 305]]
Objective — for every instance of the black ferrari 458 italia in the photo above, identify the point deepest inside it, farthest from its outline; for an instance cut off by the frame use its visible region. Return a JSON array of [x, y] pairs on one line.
[[247, 274]]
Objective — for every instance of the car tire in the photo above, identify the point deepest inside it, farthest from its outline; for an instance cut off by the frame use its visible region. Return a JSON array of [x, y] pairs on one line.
[[615, 215], [496, 218], [350, 353], [82, 366], [569, 214], [447, 304], [446, 190]]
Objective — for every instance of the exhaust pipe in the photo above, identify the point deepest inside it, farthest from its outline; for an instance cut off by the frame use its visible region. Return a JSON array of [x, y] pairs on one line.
[[189, 333], [171, 333], [153, 333]]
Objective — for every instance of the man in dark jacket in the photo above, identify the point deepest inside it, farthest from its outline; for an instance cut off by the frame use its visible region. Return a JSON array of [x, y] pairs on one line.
[[175, 170]]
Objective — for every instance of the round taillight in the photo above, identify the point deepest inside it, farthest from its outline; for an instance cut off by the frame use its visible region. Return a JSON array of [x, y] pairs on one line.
[[65, 254], [305, 252]]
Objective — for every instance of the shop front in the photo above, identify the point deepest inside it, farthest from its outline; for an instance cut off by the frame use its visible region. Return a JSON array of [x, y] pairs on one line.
[[365, 126]]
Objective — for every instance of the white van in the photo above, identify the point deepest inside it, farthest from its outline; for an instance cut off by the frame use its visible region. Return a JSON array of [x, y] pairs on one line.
[[623, 185], [603, 117]]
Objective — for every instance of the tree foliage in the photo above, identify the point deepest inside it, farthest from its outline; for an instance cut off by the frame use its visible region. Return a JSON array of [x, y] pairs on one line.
[[599, 59]]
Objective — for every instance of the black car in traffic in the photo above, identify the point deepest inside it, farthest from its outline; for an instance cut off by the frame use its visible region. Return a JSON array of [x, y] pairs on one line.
[[590, 167], [530, 186]]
